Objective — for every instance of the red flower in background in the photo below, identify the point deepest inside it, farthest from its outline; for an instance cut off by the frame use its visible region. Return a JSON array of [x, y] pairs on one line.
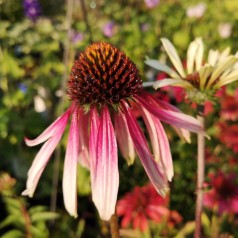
[[229, 107], [229, 135], [142, 205], [224, 193], [173, 219]]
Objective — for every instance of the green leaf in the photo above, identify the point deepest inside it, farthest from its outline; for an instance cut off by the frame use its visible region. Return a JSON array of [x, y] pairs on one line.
[[43, 216], [80, 228], [186, 230], [13, 234], [10, 66], [39, 232], [9, 220], [37, 209]]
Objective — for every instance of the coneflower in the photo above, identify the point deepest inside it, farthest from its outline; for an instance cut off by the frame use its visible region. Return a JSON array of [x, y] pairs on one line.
[[104, 86]]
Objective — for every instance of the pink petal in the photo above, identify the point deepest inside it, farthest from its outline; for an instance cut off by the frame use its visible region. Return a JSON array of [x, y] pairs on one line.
[[154, 138], [43, 157], [124, 139], [94, 126], [70, 167], [105, 175], [184, 134], [51, 130], [159, 142], [234, 204], [84, 139], [140, 221], [126, 220], [151, 167], [156, 213], [171, 117]]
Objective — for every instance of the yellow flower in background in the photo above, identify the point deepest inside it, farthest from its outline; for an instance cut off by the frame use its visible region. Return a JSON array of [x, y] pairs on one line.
[[200, 77]]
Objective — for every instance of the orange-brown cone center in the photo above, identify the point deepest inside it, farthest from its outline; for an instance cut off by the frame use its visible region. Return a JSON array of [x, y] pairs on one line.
[[103, 75]]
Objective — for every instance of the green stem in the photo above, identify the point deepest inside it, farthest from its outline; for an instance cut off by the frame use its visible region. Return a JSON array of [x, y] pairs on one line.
[[69, 14], [85, 16], [200, 174]]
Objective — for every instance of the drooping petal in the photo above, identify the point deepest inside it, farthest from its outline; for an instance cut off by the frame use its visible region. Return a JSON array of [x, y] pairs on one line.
[[204, 74], [151, 167], [157, 213], [171, 117], [173, 55], [184, 134], [105, 179], [154, 137], [220, 68], [174, 82], [233, 76], [70, 167], [51, 130], [199, 53], [94, 125], [224, 54], [162, 67], [160, 143], [84, 139], [43, 157], [213, 56], [124, 139], [140, 221], [191, 53]]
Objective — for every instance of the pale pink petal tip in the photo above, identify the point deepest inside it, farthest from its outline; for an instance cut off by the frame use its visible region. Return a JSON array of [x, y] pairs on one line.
[[43, 157], [163, 191], [70, 167], [50, 130], [28, 193], [153, 169], [105, 181]]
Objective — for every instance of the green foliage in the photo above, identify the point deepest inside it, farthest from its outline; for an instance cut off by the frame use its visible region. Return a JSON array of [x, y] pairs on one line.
[[21, 221]]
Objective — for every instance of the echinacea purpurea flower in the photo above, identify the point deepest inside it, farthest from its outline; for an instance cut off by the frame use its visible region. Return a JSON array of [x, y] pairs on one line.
[[103, 85]]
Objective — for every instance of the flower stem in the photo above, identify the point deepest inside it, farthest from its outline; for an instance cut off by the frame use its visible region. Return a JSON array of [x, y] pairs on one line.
[[85, 16], [69, 16], [200, 174], [114, 226]]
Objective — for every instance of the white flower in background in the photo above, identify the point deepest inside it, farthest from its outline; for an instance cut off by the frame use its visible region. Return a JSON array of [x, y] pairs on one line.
[[39, 100], [196, 11], [200, 77], [39, 104], [224, 30]]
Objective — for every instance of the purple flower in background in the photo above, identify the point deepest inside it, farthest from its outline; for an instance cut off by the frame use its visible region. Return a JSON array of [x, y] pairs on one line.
[[151, 3], [109, 29], [22, 87], [76, 36], [145, 27], [32, 9]]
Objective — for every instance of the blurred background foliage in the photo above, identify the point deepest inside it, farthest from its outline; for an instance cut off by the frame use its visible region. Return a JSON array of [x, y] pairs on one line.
[[32, 94]]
